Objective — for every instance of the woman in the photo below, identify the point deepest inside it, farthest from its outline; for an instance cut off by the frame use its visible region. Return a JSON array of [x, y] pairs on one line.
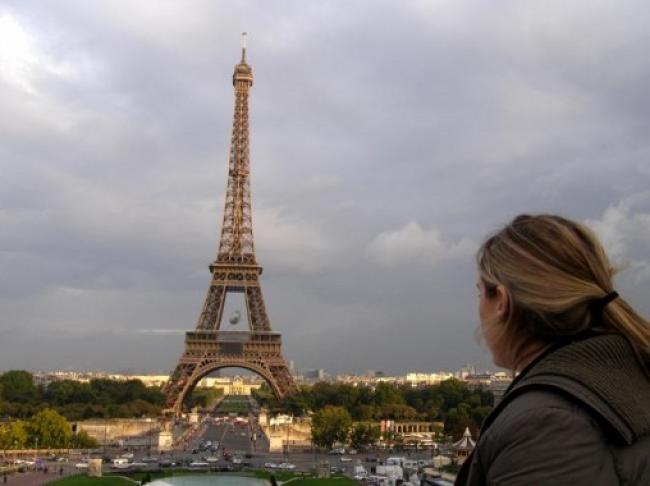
[[578, 412]]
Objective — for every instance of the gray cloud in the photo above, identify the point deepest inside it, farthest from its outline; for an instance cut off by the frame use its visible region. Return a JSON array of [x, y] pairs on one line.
[[366, 118]]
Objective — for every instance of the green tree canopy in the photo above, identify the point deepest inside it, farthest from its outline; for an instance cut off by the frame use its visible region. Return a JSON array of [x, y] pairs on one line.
[[49, 429], [13, 435], [18, 386], [84, 441], [67, 391], [363, 435], [330, 425]]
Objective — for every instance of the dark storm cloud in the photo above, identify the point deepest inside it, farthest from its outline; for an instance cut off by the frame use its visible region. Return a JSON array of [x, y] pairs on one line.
[[387, 140]]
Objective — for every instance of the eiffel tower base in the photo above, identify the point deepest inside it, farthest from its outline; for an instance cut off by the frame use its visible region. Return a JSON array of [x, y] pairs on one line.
[[207, 351]]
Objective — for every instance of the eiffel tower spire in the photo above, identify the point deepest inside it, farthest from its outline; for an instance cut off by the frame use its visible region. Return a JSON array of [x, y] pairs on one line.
[[235, 270], [236, 245]]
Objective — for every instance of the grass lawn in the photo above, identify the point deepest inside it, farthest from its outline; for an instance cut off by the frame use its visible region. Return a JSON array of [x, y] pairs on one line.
[[279, 476], [297, 479], [335, 481], [229, 405]]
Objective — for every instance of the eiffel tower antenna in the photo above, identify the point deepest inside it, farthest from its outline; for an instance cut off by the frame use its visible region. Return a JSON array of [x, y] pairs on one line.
[[234, 270], [243, 47]]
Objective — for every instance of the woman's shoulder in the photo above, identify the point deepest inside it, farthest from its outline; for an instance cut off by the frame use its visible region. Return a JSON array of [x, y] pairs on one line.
[[526, 412], [562, 441], [548, 434]]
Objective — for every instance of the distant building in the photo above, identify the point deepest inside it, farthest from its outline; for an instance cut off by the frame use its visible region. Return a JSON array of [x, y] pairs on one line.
[[312, 375], [230, 385], [426, 379], [476, 380]]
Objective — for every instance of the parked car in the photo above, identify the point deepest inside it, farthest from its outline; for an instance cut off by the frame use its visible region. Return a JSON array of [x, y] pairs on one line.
[[120, 463]]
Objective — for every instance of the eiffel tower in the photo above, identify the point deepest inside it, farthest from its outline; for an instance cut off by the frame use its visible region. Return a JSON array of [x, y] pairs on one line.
[[235, 270]]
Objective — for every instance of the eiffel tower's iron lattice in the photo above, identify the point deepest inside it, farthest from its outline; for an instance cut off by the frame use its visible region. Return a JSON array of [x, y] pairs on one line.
[[235, 269]]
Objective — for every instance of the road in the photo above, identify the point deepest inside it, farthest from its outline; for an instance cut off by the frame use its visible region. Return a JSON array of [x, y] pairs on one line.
[[235, 439], [241, 445]]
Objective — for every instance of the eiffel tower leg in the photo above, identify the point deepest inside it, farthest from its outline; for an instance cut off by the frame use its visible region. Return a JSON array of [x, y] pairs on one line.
[[212, 307], [177, 386], [283, 380], [256, 309]]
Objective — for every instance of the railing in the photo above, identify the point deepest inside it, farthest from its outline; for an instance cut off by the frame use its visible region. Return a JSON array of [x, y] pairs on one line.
[[233, 336]]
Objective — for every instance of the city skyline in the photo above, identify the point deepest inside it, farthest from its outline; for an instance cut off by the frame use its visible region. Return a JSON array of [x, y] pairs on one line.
[[380, 159]]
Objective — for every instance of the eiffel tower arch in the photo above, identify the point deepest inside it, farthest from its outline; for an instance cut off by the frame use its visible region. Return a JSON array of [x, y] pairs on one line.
[[235, 270]]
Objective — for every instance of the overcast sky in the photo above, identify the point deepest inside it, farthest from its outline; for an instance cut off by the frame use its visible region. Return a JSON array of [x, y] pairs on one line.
[[387, 140]]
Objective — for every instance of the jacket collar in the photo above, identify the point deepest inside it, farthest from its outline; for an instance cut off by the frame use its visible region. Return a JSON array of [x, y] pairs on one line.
[[602, 373]]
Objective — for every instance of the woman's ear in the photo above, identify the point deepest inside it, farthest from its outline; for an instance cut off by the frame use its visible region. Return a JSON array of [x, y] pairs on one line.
[[503, 302]]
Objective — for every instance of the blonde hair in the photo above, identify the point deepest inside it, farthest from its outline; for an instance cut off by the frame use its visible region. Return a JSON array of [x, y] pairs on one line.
[[556, 273]]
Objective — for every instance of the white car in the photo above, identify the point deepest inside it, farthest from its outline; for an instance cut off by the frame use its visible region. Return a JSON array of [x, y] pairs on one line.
[[81, 465], [120, 463], [25, 462], [286, 465], [212, 459], [270, 465], [346, 459], [198, 464]]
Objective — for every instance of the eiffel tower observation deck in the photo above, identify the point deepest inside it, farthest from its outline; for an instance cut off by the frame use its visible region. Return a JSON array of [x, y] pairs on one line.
[[235, 270]]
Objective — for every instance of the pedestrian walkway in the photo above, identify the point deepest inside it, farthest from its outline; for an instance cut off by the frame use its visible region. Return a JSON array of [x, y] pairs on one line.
[[38, 478]]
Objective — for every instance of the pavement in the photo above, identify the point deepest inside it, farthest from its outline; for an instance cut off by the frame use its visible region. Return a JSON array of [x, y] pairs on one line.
[[37, 478]]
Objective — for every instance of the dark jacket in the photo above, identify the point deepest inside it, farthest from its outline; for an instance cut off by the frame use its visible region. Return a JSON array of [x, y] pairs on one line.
[[578, 416]]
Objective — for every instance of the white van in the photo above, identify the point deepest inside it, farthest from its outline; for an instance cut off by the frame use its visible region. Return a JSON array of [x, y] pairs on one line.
[[120, 463], [395, 461]]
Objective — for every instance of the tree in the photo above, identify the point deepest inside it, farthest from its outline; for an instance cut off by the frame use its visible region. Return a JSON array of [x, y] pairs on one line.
[[18, 386], [67, 391], [395, 411], [13, 435], [363, 435], [457, 420], [386, 394], [452, 392], [330, 425], [50, 429], [83, 441]]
